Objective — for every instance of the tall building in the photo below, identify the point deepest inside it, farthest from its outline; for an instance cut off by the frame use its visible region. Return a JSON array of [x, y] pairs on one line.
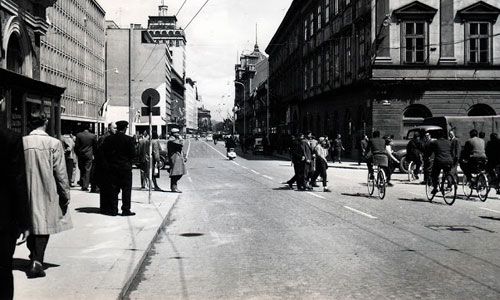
[[354, 66], [143, 63], [192, 102], [22, 90], [72, 55], [247, 82], [164, 30]]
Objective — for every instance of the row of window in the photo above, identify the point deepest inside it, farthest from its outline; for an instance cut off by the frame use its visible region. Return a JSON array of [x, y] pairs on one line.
[[415, 45], [321, 15]]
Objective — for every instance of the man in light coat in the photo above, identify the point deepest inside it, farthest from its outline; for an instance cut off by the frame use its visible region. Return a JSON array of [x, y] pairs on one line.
[[48, 190], [177, 159]]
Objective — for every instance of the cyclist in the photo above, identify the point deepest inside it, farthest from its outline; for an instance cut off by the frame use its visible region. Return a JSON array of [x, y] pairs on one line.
[[393, 161], [377, 154], [441, 148], [455, 153], [427, 158], [473, 155], [414, 150]]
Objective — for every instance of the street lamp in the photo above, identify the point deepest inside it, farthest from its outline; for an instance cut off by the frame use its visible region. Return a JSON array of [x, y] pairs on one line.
[[115, 70], [244, 109]]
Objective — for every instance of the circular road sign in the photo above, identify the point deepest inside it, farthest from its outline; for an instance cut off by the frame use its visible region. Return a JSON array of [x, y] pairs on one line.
[[150, 97]]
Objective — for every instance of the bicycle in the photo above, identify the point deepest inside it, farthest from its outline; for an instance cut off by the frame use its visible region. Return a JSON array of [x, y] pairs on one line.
[[380, 182], [446, 184], [478, 182]]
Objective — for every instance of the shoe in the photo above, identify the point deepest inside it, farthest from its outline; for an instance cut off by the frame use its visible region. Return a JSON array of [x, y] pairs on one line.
[[390, 184], [128, 213], [109, 213], [85, 189], [315, 185], [290, 185], [434, 191], [416, 177], [157, 189], [326, 190], [310, 188], [35, 270], [176, 191]]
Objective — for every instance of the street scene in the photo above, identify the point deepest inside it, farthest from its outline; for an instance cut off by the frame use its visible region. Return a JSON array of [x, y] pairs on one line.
[[287, 149]]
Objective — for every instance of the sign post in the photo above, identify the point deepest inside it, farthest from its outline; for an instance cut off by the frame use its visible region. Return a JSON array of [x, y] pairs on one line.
[[150, 98]]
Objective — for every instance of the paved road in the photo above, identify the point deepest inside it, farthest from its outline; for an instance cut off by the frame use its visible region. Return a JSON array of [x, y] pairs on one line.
[[237, 233]]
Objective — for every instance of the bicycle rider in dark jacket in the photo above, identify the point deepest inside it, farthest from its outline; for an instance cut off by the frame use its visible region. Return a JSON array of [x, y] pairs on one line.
[[443, 160]]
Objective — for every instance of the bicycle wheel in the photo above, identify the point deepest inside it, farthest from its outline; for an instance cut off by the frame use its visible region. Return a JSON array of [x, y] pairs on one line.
[[381, 184], [428, 189], [411, 171], [482, 187], [449, 189], [466, 187], [371, 185]]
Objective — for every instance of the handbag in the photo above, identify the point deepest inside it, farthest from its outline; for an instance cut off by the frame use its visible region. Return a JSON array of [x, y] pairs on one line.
[[156, 171]]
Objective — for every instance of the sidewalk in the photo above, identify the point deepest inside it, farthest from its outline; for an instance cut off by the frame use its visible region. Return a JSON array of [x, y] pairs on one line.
[[99, 257]]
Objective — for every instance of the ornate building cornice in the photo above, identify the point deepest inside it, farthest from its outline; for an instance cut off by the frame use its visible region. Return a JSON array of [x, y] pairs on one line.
[[39, 24]]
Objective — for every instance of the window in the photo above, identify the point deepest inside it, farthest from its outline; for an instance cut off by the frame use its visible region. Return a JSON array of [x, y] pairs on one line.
[[335, 7], [327, 11], [478, 42], [336, 60], [319, 73], [347, 2], [306, 77], [348, 55], [311, 24], [361, 47], [415, 42], [319, 17], [305, 30], [327, 65], [311, 74]]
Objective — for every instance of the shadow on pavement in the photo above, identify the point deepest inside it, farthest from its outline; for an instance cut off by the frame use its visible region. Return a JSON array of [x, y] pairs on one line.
[[89, 210], [357, 195], [282, 188], [414, 199], [19, 264]]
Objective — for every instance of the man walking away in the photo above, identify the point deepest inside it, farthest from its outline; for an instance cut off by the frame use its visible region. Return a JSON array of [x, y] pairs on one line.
[[293, 150], [363, 146], [119, 151], [102, 173], [304, 164], [177, 159], [15, 212], [69, 154], [337, 145], [48, 190], [456, 148], [85, 146]]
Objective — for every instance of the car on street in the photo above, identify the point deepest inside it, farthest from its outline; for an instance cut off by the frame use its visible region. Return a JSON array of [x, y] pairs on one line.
[[210, 137]]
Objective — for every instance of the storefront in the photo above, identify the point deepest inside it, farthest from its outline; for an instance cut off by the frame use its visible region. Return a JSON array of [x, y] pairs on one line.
[[21, 95]]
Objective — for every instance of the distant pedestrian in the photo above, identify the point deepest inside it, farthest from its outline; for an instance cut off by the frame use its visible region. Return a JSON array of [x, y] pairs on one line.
[[338, 148], [363, 146], [48, 190], [86, 143], [456, 148], [102, 173], [304, 164], [69, 154], [177, 159], [294, 156], [145, 161], [15, 212], [119, 151]]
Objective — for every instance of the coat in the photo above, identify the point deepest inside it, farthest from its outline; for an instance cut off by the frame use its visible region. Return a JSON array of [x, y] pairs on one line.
[[177, 157], [118, 152], [15, 212], [48, 186], [85, 144]]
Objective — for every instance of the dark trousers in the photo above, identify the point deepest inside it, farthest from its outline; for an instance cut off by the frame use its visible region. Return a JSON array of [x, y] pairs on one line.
[[37, 245], [302, 174], [296, 169], [173, 181], [85, 166], [105, 199], [321, 167], [70, 165], [436, 169], [338, 152], [121, 180], [7, 247]]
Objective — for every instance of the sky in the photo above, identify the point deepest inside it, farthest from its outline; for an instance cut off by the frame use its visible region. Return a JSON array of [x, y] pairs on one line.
[[215, 37]]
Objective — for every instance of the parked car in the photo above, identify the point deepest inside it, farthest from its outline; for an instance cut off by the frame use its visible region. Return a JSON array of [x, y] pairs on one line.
[[258, 146], [210, 138]]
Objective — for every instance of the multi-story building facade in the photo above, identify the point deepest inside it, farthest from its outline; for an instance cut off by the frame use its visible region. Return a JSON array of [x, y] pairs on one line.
[[143, 64], [22, 24], [247, 80], [354, 66], [192, 103], [72, 55], [204, 120]]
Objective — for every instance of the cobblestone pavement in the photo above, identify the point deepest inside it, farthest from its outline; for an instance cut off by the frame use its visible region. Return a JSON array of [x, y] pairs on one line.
[[238, 233]]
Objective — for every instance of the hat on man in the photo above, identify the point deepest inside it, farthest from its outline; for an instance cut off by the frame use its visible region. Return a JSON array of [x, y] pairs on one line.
[[121, 125], [174, 130]]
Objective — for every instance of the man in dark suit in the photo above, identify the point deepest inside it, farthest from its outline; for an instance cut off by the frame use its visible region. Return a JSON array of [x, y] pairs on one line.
[[119, 151], [101, 172], [15, 212], [85, 146]]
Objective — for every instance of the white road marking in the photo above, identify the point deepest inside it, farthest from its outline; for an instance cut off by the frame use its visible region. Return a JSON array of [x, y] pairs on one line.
[[255, 172], [235, 163], [268, 177], [360, 212], [190, 179], [216, 150], [490, 209], [317, 196], [417, 194], [244, 167]]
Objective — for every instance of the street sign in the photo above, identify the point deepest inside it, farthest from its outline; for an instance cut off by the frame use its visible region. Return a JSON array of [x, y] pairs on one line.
[[155, 111], [150, 97]]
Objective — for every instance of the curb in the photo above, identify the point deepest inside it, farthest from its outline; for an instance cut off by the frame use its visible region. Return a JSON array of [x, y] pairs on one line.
[[126, 287]]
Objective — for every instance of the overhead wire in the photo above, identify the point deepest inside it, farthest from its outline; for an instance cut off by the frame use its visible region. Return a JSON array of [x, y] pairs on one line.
[[196, 14], [181, 8]]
